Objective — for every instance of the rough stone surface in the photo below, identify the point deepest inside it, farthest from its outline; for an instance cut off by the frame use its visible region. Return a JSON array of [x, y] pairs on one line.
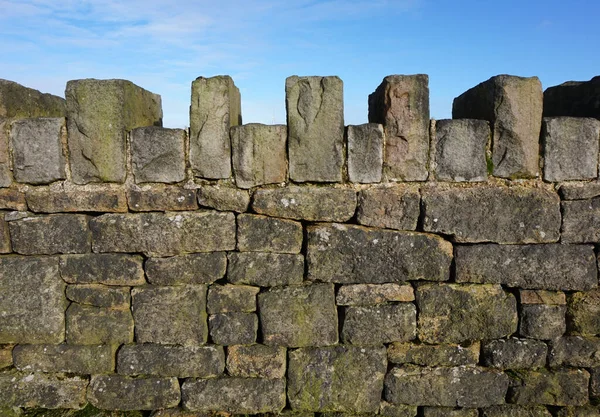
[[265, 269], [6, 359], [299, 316], [433, 355], [454, 313], [514, 353], [579, 190], [573, 98], [6, 177], [493, 214], [233, 328], [223, 198], [315, 117], [401, 105], [550, 387], [266, 234], [348, 254], [542, 321], [103, 268], [336, 379], [116, 392], [370, 294], [5, 246], [375, 325], [158, 154], [583, 312], [65, 358], [581, 221], [99, 295], [365, 152], [595, 383], [17, 101], [542, 297], [51, 234], [88, 325], [216, 107], [511, 410], [99, 114], [12, 199], [399, 410], [231, 299], [196, 268], [161, 198], [105, 199], [575, 351], [391, 207], [256, 361], [513, 106], [585, 411]]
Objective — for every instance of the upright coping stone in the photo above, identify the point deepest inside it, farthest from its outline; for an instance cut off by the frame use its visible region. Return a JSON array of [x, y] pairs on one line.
[[513, 106], [574, 99], [315, 113], [100, 113], [216, 107], [401, 105]]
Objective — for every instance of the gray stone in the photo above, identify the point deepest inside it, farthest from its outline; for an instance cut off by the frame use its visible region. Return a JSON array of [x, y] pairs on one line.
[[233, 328], [12, 199], [433, 355], [265, 269], [551, 267], [161, 198], [231, 299], [158, 154], [585, 411], [6, 177], [37, 150], [493, 214], [595, 383], [570, 148], [579, 190], [375, 325], [299, 316], [164, 234], [450, 412], [32, 300], [448, 387], [348, 254], [391, 207], [97, 198], [234, 395], [99, 114], [454, 313], [401, 105], [581, 221], [19, 102], [51, 234], [42, 391], [216, 107], [223, 198], [99, 295], [259, 154], [336, 379], [365, 152], [266, 234], [583, 313], [458, 149], [65, 358], [542, 297], [6, 359], [103, 268], [5, 246], [511, 410], [514, 353], [542, 321], [371, 294], [177, 361], [319, 204], [560, 387], [256, 361], [573, 98], [196, 268], [399, 410], [170, 315], [513, 106], [88, 325], [575, 351], [116, 392], [315, 114]]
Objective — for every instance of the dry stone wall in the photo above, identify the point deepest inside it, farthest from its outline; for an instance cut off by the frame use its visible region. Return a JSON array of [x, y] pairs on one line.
[[405, 267]]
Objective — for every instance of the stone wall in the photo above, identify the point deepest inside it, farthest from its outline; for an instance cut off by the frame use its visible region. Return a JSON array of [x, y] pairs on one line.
[[402, 267]]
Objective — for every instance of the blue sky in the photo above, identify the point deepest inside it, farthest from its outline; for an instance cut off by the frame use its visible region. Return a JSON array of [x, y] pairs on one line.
[[162, 45]]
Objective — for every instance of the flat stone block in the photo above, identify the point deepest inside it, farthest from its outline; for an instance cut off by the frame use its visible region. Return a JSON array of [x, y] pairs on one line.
[[42, 391], [561, 387], [315, 115], [161, 198], [51, 234], [575, 351], [514, 353], [434, 355], [390, 207], [371, 294], [266, 234], [223, 198], [102, 268], [511, 410], [116, 392], [233, 328], [579, 190], [573, 98], [265, 269], [12, 199], [65, 358], [585, 411], [542, 321], [196, 268], [583, 312], [365, 152], [231, 299], [19, 102], [450, 412], [398, 410], [542, 297], [99, 198], [158, 154], [581, 221], [88, 325], [99, 295], [376, 325], [256, 361]]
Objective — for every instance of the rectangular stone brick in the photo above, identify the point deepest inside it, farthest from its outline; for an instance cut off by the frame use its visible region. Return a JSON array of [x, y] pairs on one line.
[[65, 358], [560, 387], [511, 410], [266, 234], [583, 313], [96, 198], [17, 101], [42, 391], [233, 328], [450, 412], [265, 269], [231, 299], [391, 207], [514, 353], [581, 221], [573, 98], [116, 392], [161, 198], [376, 325], [51, 234], [315, 114], [371, 294], [196, 268], [575, 351], [102, 268], [542, 297], [99, 295], [400, 410], [158, 154], [365, 152], [540, 321], [88, 325], [223, 198], [256, 361], [401, 105], [433, 355], [579, 190], [12, 199]]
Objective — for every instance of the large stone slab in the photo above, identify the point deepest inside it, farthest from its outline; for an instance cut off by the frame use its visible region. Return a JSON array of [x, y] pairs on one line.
[[350, 254], [401, 105], [65, 358], [392, 207], [89, 325], [51, 234], [265, 269], [583, 312], [99, 295], [42, 391], [434, 355], [19, 102], [315, 116], [195, 268], [102, 268], [266, 234], [365, 152], [116, 392], [231, 299], [513, 106], [573, 98], [100, 198], [161, 198], [99, 114], [581, 221], [514, 353], [336, 379], [575, 351], [256, 361], [158, 154], [560, 387], [223, 198], [376, 325], [493, 214]]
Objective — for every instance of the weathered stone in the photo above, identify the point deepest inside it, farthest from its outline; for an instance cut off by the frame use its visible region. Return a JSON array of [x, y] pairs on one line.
[[88, 411], [103, 268], [514, 353], [170, 315], [216, 107], [37, 151], [256, 361], [196, 268], [370, 294], [365, 152], [180, 412], [595, 383], [315, 115], [573, 98], [164, 234], [448, 387], [540, 321], [12, 199], [231, 299], [65, 358], [581, 221], [265, 269], [449, 412], [513, 106], [583, 313], [433, 355], [105, 199], [350, 254], [99, 295], [401, 105], [17, 101], [233, 328], [178, 361], [542, 297], [511, 410], [397, 410], [299, 316], [319, 204], [550, 267], [5, 246], [550, 387], [375, 325], [493, 214], [6, 359], [161, 198], [42, 391], [454, 313], [6, 177], [340, 378], [585, 411], [259, 154], [570, 148], [116, 392], [265, 234], [579, 190], [158, 154], [88, 325], [51, 234], [99, 114], [32, 300], [223, 198], [392, 207], [575, 351]]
